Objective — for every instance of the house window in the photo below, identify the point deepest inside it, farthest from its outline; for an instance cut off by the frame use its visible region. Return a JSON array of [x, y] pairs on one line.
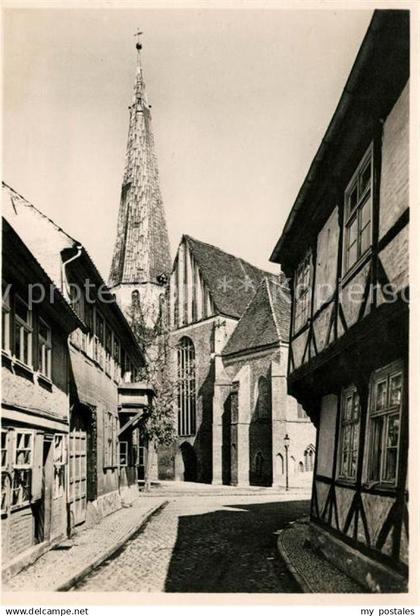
[[358, 212], [99, 338], [76, 336], [22, 471], [384, 424], [5, 321], [44, 348], [141, 455], [186, 388], [110, 440], [23, 332], [59, 465], [90, 324], [4, 476], [349, 433], [303, 293], [117, 359], [108, 349], [123, 453]]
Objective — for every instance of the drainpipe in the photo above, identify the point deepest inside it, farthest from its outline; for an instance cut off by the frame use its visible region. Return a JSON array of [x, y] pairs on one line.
[[63, 269]]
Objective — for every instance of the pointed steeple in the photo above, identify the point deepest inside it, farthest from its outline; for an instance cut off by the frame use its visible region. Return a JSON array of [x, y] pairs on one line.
[[141, 252]]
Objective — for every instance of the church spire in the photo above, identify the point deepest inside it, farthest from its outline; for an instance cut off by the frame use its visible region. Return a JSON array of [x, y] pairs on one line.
[[139, 95], [141, 252]]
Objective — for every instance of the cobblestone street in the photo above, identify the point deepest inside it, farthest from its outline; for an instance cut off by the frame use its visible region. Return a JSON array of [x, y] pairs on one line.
[[205, 544]]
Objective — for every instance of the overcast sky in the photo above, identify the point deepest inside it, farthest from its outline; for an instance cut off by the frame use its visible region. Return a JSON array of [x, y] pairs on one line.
[[240, 102]]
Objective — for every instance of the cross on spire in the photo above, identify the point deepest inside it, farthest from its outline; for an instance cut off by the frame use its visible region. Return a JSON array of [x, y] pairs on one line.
[[138, 43]]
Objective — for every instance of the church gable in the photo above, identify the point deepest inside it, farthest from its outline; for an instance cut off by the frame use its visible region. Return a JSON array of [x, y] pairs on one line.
[[231, 281], [264, 322], [191, 300]]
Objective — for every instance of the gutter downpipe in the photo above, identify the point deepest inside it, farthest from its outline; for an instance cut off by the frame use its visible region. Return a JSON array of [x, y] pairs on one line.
[[63, 270]]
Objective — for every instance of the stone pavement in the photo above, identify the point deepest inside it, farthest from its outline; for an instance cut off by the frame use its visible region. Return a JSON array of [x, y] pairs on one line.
[[215, 544], [56, 569], [313, 573], [188, 488]]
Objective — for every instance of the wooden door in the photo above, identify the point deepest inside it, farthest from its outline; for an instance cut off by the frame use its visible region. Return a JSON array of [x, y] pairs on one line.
[[77, 476]]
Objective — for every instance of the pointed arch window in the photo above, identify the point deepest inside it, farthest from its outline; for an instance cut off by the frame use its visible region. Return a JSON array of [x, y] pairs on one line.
[[186, 388]]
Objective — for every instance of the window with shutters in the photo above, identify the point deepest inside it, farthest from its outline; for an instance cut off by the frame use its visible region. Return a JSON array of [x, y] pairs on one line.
[[59, 465], [22, 467]]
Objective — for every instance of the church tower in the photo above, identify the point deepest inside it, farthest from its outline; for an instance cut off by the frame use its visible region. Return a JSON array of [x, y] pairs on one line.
[[141, 260]]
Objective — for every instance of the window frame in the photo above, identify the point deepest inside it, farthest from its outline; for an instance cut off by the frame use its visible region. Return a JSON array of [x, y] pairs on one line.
[[187, 388], [98, 351], [120, 453], [45, 347], [6, 308], [302, 303], [5, 491], [108, 347], [59, 488], [24, 326], [384, 414], [353, 212], [116, 353], [351, 423], [22, 469]]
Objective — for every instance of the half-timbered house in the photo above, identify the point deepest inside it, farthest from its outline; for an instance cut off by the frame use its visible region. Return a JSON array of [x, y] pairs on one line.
[[104, 359], [35, 406], [345, 247]]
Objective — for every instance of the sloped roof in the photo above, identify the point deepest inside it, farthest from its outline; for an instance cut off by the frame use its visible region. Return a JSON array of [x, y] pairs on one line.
[[264, 322], [46, 241], [231, 281], [12, 244], [42, 236]]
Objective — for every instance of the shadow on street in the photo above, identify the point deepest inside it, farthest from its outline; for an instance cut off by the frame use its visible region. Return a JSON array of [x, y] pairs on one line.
[[233, 550]]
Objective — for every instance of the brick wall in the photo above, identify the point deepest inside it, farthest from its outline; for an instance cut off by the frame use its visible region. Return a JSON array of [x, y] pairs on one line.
[[395, 167]]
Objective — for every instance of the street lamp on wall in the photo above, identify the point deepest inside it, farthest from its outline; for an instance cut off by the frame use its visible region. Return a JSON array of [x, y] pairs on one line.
[[286, 446]]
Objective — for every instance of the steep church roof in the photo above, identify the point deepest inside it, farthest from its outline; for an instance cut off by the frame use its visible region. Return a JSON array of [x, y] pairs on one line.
[[141, 251], [231, 281], [265, 321]]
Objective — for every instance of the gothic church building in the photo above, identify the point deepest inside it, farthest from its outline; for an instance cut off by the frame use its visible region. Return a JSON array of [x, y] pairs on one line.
[[228, 323]]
